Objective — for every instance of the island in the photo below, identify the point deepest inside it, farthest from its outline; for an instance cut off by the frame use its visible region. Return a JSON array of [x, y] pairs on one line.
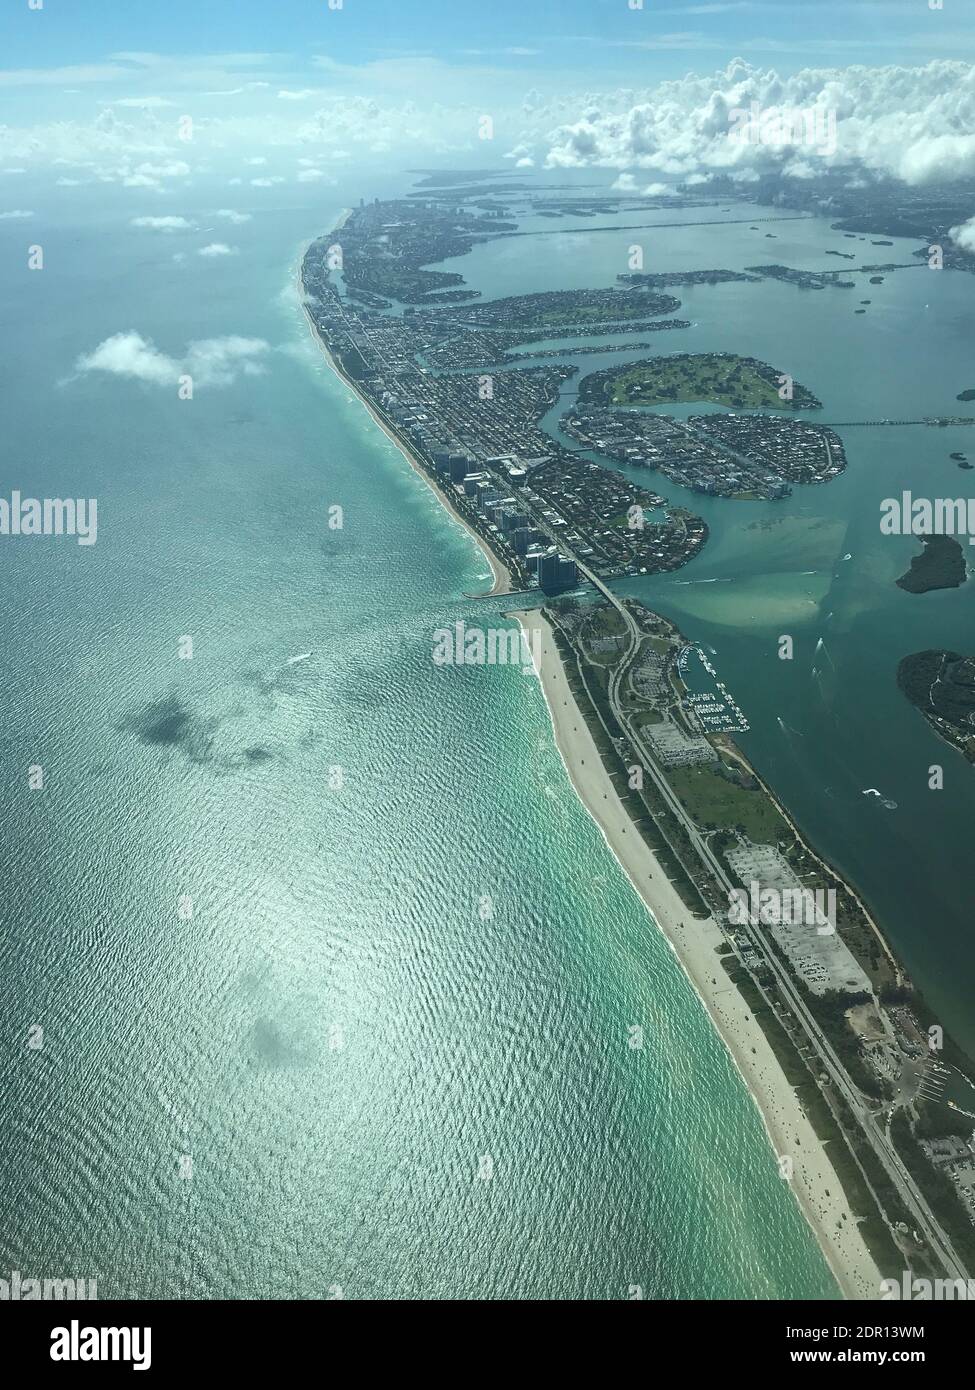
[[740, 456], [723, 378], [941, 684], [940, 565], [544, 516]]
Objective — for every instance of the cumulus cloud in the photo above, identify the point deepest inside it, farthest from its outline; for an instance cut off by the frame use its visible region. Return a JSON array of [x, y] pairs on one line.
[[964, 236], [14, 214], [310, 176], [217, 248], [234, 217], [914, 124], [267, 183], [209, 361], [163, 224]]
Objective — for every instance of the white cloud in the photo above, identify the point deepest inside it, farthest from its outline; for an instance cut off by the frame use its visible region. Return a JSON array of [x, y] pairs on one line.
[[964, 236], [163, 224], [522, 155], [235, 217], [209, 361], [14, 214], [174, 169], [143, 103], [217, 248], [310, 176], [267, 183], [130, 355], [914, 124]]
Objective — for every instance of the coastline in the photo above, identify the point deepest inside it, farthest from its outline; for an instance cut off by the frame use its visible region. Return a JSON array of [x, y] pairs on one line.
[[501, 576], [815, 1183]]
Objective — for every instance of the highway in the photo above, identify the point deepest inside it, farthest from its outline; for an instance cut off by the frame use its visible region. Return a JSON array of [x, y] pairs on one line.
[[878, 1138]]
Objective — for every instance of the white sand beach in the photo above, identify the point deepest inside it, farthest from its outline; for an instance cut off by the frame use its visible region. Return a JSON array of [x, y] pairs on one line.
[[814, 1182]]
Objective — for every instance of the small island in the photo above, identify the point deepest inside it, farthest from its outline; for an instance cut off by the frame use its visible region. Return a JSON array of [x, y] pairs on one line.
[[723, 378], [968, 395], [941, 684], [940, 565]]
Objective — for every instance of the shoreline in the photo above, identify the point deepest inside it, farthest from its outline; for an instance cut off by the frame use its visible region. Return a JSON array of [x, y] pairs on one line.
[[501, 575], [815, 1183]]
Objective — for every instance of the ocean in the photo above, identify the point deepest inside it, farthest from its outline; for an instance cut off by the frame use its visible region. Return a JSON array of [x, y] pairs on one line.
[[336, 976]]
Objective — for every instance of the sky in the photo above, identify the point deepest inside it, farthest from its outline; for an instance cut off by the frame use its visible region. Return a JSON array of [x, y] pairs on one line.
[[125, 90], [599, 38]]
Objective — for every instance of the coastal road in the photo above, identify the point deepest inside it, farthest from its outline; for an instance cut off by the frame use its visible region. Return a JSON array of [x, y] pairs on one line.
[[879, 1139]]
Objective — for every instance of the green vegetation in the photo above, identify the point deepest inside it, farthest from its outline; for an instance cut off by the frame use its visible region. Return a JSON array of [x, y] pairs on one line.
[[834, 1126], [830, 1011], [715, 800], [942, 686], [940, 565], [350, 360], [722, 378], [651, 817], [944, 1200], [404, 283]]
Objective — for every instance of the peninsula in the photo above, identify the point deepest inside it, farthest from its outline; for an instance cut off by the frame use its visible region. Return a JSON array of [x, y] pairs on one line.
[[816, 1011]]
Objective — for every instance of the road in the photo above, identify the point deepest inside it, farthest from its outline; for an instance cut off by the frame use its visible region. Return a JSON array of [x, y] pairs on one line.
[[879, 1139]]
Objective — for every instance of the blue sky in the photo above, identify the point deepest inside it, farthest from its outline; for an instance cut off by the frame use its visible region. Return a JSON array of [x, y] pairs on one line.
[[603, 38], [275, 90]]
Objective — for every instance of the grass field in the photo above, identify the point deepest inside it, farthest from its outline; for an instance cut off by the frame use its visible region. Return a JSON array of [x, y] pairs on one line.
[[722, 380], [713, 801]]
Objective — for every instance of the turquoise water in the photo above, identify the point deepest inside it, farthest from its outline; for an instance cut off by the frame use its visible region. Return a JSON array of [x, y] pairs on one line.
[[832, 723], [339, 1036]]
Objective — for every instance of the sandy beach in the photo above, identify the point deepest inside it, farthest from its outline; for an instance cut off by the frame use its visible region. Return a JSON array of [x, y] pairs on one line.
[[815, 1183], [501, 577]]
